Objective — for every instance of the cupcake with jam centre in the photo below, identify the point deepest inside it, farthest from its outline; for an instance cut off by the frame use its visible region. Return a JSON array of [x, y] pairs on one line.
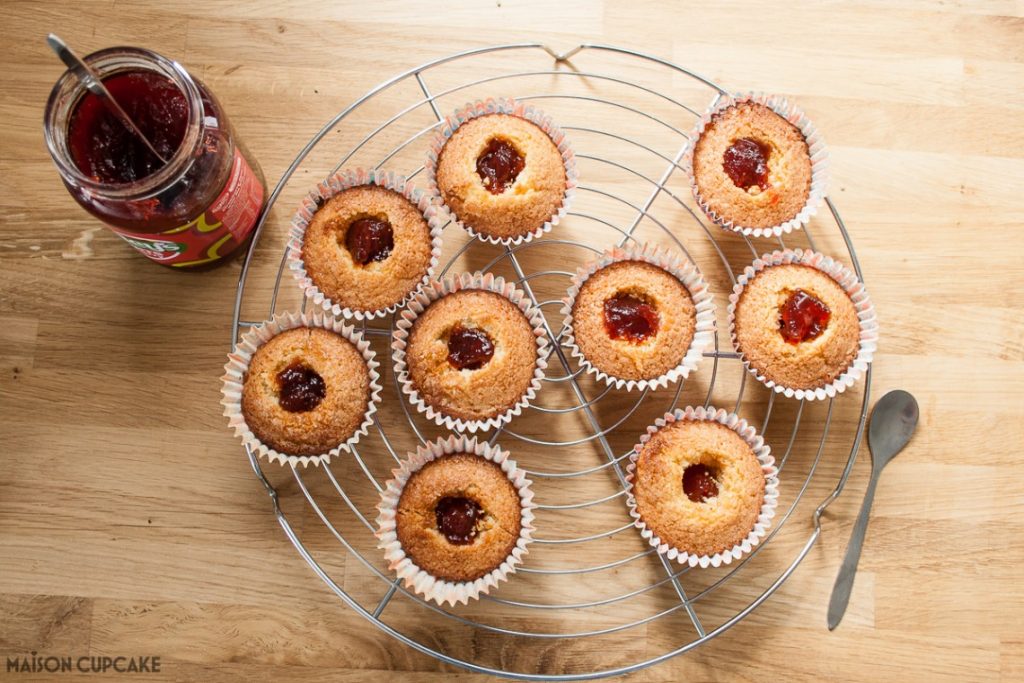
[[363, 242], [455, 519], [803, 324], [702, 486], [470, 351], [503, 170], [757, 165], [301, 389], [639, 318]]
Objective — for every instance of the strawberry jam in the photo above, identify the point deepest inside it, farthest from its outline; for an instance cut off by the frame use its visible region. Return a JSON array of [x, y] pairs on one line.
[[104, 149], [300, 388], [803, 317], [469, 348], [627, 317], [699, 483], [369, 239], [457, 518], [746, 163], [499, 165]]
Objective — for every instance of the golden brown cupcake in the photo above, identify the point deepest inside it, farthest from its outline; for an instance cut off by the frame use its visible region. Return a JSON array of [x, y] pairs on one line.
[[751, 167], [458, 517], [306, 391], [633, 320], [501, 175], [796, 326], [471, 354], [367, 247], [697, 485]]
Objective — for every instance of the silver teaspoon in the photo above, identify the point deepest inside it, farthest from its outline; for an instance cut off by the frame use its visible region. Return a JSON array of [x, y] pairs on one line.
[[893, 421], [94, 84]]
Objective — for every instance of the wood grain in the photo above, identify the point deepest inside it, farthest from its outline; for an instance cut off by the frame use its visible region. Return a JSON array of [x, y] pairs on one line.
[[131, 524]]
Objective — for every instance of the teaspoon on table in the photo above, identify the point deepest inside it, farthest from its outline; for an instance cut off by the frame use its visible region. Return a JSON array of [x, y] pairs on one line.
[[94, 84], [893, 421]]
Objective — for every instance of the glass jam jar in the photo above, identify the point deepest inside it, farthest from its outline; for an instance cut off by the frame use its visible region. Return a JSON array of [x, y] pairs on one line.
[[191, 212]]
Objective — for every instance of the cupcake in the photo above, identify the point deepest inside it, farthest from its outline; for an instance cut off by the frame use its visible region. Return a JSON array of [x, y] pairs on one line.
[[702, 486], [363, 242], [803, 323], [470, 351], [503, 170], [455, 519], [301, 389], [757, 165], [639, 318]]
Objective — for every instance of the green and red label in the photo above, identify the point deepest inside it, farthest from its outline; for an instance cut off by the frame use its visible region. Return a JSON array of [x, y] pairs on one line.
[[224, 224]]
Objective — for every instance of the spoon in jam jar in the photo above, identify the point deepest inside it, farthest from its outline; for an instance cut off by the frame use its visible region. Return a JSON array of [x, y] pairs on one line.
[[893, 421], [94, 84]]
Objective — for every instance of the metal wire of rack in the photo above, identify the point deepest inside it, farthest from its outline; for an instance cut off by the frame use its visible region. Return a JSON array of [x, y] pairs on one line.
[[341, 502]]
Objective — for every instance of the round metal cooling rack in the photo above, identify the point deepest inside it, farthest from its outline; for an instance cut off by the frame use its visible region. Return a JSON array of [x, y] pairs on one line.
[[541, 624]]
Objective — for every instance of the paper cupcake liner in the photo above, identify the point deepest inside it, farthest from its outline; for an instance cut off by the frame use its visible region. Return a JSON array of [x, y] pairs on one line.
[[343, 180], [771, 489], [846, 279], [431, 292], [238, 365], [815, 147], [431, 588], [513, 108], [686, 273]]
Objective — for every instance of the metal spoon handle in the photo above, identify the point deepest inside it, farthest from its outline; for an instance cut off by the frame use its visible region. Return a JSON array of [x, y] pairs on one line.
[[844, 581], [94, 84]]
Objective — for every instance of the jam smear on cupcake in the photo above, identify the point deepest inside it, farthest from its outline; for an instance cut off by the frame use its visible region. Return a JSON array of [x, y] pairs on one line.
[[457, 519], [469, 348], [804, 317], [369, 239], [699, 483], [499, 165], [629, 317], [300, 388], [746, 163]]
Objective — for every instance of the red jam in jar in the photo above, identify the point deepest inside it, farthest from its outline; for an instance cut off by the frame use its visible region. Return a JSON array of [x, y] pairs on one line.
[[192, 209]]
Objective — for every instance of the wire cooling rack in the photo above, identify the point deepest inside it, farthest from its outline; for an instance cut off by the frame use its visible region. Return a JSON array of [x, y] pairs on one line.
[[593, 599]]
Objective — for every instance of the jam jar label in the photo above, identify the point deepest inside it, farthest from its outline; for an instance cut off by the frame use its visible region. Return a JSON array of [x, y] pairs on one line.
[[224, 224]]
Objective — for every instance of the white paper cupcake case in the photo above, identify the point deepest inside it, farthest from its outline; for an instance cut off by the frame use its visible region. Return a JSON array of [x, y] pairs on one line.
[[771, 489], [343, 180], [431, 588], [431, 292], [686, 273], [513, 108], [846, 279], [238, 365], [815, 145]]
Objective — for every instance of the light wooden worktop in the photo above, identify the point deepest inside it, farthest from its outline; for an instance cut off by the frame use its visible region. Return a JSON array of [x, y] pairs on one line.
[[130, 520]]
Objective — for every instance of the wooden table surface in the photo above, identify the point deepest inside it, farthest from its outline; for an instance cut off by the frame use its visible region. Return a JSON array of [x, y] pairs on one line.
[[131, 523]]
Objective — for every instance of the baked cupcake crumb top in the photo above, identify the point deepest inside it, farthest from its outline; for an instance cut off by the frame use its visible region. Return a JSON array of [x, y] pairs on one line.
[[459, 517], [698, 486], [796, 326], [752, 167], [306, 391]]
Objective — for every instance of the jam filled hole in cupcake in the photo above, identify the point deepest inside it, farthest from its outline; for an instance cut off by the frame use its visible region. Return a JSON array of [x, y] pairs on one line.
[[469, 348], [458, 519], [803, 317], [700, 482], [369, 239], [499, 165], [300, 388], [745, 161], [630, 316]]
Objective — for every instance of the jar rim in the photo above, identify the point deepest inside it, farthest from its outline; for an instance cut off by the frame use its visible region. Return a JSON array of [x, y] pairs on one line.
[[68, 91]]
